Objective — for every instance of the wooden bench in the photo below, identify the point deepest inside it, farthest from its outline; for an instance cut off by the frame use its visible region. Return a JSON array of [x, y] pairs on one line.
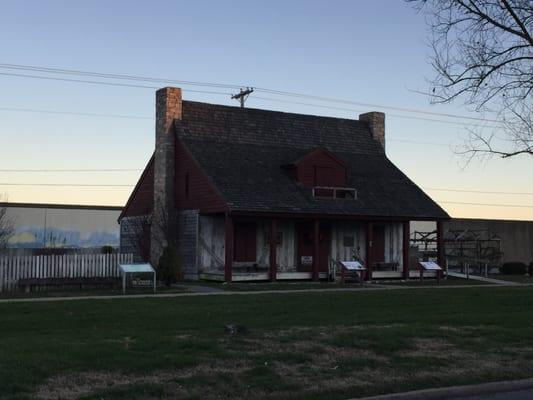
[[28, 284]]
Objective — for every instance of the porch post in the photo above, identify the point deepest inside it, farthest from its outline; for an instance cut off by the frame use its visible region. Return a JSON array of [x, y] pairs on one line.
[[273, 248], [441, 255], [369, 239], [228, 248], [316, 250], [406, 245]]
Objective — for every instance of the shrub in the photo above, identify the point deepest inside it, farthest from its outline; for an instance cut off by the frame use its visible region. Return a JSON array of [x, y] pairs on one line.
[[514, 268], [168, 268], [107, 249], [531, 268]]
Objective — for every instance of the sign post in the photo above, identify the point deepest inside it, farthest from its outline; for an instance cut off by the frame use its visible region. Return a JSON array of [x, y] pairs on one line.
[[351, 266], [430, 266], [136, 269]]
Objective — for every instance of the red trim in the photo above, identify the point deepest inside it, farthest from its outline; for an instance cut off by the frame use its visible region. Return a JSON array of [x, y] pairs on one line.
[[278, 215], [228, 249], [273, 248], [406, 238], [136, 188], [316, 250], [441, 258], [369, 239]]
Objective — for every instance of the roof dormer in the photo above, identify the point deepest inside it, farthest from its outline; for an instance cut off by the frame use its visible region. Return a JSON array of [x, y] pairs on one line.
[[320, 168]]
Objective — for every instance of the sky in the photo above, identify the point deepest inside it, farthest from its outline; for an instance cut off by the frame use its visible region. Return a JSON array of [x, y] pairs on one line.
[[374, 53]]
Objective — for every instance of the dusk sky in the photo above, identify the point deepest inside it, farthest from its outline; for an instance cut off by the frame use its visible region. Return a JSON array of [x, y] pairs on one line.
[[363, 52]]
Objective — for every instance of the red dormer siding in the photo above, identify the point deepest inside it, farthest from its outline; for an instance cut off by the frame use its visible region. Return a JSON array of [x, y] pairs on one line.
[[321, 168]]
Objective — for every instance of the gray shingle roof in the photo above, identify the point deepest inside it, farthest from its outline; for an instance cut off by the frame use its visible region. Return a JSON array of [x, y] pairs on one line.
[[243, 151]]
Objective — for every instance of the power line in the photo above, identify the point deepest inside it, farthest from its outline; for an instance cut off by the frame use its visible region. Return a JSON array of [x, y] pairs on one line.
[[64, 184], [74, 170], [115, 76], [83, 114], [104, 83], [484, 204], [478, 191], [211, 84], [360, 111], [370, 105]]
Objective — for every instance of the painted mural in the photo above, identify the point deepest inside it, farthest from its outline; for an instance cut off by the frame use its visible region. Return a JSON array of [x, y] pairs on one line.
[[68, 227]]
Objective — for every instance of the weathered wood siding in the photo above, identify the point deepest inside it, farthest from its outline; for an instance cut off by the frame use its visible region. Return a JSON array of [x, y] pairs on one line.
[[132, 238], [211, 243], [394, 243], [356, 231], [347, 237], [286, 252], [194, 191], [188, 243]]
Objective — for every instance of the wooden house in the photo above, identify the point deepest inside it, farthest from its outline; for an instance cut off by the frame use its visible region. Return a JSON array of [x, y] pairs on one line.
[[266, 195]]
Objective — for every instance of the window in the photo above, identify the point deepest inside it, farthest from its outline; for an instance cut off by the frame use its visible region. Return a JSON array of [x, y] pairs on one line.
[[244, 242], [321, 192], [348, 241]]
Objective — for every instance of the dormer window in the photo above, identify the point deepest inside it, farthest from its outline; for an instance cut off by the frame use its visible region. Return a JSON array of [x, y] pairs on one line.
[[320, 168], [323, 192]]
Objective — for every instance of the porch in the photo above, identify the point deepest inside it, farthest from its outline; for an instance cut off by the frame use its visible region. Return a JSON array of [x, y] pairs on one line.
[[256, 248]]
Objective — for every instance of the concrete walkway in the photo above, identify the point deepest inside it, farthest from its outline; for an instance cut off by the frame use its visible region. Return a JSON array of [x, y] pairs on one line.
[[218, 292], [507, 390], [483, 279]]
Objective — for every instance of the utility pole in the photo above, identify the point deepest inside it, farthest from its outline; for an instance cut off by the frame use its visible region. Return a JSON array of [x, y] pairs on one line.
[[243, 95]]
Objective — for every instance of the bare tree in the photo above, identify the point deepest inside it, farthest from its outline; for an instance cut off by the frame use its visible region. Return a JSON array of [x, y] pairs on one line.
[[139, 233], [483, 54], [6, 226]]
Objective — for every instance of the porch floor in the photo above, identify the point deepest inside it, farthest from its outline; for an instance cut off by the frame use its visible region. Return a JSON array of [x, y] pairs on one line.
[[258, 276], [280, 276]]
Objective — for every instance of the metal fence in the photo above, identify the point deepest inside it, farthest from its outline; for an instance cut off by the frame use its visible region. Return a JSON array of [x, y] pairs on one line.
[[12, 269]]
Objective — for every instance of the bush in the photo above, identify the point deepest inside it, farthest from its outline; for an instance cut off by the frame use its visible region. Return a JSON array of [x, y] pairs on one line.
[[514, 268], [531, 268], [168, 268], [107, 249]]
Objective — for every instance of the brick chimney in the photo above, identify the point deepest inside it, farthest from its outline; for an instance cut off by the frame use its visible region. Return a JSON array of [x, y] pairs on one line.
[[376, 123], [167, 109]]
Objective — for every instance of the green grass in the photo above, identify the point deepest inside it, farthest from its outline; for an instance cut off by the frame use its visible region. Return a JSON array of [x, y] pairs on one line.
[[514, 278], [318, 345], [76, 292]]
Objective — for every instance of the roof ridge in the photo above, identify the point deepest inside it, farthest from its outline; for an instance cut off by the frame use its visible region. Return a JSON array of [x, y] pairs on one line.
[[266, 111]]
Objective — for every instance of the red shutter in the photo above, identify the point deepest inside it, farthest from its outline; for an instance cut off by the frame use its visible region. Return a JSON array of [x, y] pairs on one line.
[[245, 245]]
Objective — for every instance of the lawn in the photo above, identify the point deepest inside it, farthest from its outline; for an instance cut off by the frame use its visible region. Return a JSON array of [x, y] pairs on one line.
[[318, 345]]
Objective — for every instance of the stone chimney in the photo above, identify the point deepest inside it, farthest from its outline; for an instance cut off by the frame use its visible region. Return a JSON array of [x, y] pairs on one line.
[[167, 109], [376, 123]]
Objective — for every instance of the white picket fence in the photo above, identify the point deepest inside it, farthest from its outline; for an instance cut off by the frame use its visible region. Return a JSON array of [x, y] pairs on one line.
[[13, 268]]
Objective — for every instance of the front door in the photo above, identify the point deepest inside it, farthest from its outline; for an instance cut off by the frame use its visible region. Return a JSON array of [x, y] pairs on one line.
[[306, 247]]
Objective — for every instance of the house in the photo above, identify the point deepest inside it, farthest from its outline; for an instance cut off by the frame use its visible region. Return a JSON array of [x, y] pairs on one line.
[[261, 194]]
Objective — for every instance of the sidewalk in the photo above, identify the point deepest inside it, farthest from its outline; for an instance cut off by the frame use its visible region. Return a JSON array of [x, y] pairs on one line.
[[369, 288], [508, 390]]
